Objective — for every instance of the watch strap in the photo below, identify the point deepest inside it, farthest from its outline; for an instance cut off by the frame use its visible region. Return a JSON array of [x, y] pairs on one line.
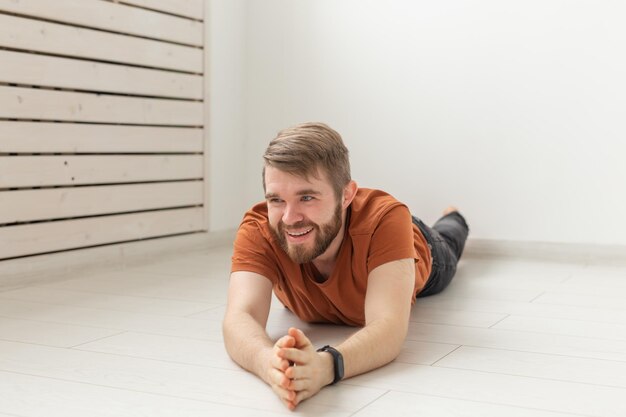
[[337, 362]]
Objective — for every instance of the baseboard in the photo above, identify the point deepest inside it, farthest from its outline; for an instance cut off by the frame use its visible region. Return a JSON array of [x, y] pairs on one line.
[[547, 251], [48, 267]]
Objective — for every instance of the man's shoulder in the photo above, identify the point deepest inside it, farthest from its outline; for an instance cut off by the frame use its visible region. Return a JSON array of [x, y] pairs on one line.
[[368, 209], [257, 213], [373, 195], [370, 201], [255, 221]]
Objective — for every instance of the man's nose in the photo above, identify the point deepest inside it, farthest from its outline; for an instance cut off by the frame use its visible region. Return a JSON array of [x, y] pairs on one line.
[[292, 215]]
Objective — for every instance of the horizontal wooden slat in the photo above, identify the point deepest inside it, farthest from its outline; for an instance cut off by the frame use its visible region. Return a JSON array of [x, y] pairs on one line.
[[111, 16], [29, 103], [57, 203], [189, 8], [36, 35], [34, 171], [68, 234], [47, 71], [36, 137]]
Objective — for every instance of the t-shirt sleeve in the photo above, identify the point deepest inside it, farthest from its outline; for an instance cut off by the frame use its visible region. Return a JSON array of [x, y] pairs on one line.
[[392, 239], [252, 252]]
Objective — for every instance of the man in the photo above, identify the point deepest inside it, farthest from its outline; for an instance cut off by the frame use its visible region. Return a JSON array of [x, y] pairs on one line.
[[332, 253]]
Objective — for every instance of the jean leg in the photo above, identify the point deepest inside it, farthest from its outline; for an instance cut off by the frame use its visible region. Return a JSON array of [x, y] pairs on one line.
[[446, 240], [453, 228]]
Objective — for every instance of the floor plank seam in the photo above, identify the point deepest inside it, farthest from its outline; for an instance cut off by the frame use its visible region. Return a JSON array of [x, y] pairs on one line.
[[146, 358], [446, 355], [370, 403], [494, 403], [112, 387], [499, 321], [97, 339], [545, 353], [565, 381], [124, 294], [180, 316]]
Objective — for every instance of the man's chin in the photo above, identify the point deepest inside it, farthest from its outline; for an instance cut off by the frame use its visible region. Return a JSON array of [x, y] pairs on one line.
[[298, 254]]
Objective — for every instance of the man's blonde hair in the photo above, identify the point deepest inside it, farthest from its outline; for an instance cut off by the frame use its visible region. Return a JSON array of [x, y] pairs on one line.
[[304, 149]]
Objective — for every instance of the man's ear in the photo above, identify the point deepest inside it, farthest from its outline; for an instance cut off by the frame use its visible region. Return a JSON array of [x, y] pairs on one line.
[[349, 192]]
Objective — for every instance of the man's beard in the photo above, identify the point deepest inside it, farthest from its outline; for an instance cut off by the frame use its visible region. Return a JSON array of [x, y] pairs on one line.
[[324, 236]]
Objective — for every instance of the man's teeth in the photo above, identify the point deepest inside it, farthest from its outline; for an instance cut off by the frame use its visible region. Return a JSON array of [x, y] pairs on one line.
[[299, 234]]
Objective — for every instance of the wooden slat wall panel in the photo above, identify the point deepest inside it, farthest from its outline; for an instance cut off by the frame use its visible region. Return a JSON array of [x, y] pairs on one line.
[[41, 137], [35, 35], [58, 203], [69, 234], [28, 103], [101, 123], [47, 71], [188, 8], [46, 171], [110, 16]]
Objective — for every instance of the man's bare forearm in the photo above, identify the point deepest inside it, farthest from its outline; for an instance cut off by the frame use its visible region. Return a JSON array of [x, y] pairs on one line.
[[247, 343], [387, 310], [373, 346]]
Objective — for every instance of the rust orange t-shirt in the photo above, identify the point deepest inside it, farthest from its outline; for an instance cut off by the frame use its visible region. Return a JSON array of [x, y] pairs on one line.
[[379, 230]]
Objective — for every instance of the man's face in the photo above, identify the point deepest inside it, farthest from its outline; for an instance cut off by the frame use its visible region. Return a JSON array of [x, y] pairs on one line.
[[303, 213]]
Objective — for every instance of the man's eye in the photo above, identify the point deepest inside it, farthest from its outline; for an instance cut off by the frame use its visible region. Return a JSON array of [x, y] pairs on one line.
[[307, 198], [275, 200]]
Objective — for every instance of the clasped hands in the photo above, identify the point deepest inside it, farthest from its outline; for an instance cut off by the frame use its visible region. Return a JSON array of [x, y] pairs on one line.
[[297, 371]]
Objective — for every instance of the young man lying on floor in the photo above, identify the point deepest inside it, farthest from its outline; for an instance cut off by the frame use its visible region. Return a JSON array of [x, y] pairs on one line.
[[332, 253]]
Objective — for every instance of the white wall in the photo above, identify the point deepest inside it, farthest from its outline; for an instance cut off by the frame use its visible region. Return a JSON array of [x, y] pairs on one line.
[[513, 111], [226, 111]]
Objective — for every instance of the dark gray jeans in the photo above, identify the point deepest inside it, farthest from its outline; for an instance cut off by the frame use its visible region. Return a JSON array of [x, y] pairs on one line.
[[446, 240]]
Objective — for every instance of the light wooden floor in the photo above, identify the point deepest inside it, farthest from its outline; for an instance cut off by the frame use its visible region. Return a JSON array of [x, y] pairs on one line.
[[508, 338]]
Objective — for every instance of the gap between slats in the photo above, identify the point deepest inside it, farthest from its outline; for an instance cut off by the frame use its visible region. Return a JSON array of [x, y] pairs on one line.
[[97, 29]]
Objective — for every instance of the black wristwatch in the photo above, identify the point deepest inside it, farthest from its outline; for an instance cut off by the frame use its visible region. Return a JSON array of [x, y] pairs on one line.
[[337, 361]]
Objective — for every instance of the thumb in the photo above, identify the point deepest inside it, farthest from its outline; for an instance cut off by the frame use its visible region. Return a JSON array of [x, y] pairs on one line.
[[301, 340], [286, 342]]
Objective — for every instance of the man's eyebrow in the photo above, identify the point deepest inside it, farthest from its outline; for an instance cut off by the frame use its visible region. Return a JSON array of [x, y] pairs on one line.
[[310, 191]]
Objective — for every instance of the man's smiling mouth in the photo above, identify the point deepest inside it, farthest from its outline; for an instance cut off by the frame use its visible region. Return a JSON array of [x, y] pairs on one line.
[[298, 234]]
